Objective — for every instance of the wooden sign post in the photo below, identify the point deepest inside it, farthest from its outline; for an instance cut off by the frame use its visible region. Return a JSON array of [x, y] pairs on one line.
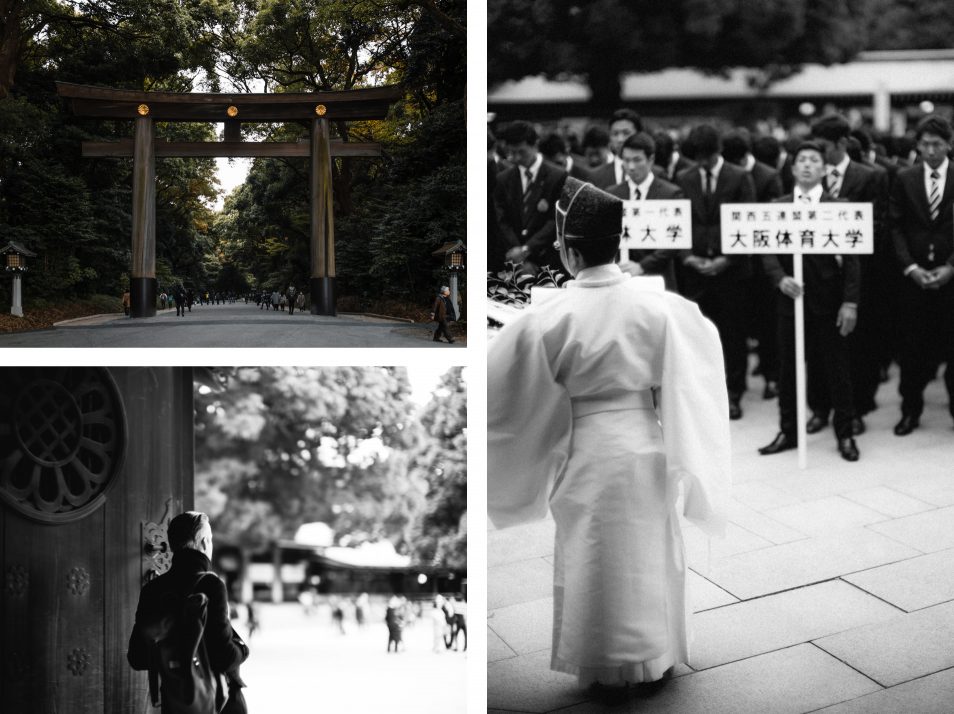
[[798, 229]]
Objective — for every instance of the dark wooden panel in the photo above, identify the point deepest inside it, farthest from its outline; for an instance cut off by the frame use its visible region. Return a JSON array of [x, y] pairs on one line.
[[264, 149], [158, 474]]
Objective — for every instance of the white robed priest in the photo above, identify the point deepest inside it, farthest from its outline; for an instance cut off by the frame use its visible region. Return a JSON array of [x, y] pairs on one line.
[[574, 425]]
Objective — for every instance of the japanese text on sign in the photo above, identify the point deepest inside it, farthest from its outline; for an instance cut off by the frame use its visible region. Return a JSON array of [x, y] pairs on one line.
[[831, 227], [651, 225]]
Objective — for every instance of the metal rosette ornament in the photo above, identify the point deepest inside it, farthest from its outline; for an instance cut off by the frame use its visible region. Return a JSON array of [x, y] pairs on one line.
[[62, 440]]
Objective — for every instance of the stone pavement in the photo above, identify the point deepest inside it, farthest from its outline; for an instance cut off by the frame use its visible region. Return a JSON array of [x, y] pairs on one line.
[[833, 590], [232, 325]]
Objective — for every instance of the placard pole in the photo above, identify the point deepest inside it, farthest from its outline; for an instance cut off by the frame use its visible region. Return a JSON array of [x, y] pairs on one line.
[[800, 391]]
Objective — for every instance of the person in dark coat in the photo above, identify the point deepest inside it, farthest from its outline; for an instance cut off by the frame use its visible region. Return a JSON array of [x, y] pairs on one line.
[[180, 298], [190, 539], [831, 291], [443, 311]]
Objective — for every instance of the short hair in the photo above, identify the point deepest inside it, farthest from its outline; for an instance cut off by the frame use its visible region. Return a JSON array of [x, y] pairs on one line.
[[664, 147], [767, 150], [520, 132], [831, 127], [735, 145], [184, 530], [933, 124], [863, 138], [854, 150], [552, 144], [641, 141], [705, 141], [626, 115], [596, 252], [596, 137], [808, 146]]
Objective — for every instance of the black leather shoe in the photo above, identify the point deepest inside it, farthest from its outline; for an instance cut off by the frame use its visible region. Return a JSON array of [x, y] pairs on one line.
[[770, 391], [783, 442], [816, 424], [857, 426], [848, 449], [735, 411], [907, 424]]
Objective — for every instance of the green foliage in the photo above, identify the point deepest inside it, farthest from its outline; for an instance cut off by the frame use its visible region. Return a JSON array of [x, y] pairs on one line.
[[285, 446]]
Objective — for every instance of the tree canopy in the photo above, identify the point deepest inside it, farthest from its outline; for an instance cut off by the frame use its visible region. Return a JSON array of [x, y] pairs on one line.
[[346, 446]]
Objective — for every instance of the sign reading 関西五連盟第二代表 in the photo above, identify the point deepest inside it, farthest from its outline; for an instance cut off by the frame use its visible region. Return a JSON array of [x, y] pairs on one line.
[[829, 227], [652, 225]]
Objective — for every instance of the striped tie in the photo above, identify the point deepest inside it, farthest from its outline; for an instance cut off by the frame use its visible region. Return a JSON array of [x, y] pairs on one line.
[[835, 179], [634, 192], [529, 176], [934, 198]]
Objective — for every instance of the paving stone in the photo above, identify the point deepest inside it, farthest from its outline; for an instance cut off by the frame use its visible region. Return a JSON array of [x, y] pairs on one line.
[[759, 495], [497, 649], [803, 562], [888, 501], [527, 684], [928, 532], [911, 584], [763, 526], [790, 681], [507, 545], [521, 581], [900, 649], [825, 515], [756, 626], [933, 694], [704, 595], [736, 540], [525, 628]]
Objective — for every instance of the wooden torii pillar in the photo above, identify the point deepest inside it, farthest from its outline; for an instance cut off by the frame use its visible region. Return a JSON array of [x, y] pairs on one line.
[[314, 109]]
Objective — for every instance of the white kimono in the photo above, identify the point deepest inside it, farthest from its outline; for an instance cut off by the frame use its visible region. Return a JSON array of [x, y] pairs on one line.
[[571, 425]]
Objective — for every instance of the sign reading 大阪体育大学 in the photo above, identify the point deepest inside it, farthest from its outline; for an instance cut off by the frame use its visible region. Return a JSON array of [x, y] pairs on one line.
[[655, 225], [830, 227]]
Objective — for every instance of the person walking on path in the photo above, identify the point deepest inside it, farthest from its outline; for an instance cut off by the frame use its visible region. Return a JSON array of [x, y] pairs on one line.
[[276, 298], [605, 405], [126, 303], [180, 298], [441, 312], [291, 299]]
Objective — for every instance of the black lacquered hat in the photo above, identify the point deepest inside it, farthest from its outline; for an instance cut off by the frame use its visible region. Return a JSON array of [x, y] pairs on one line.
[[584, 212]]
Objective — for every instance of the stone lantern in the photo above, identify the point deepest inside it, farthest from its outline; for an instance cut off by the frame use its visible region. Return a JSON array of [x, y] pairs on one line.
[[16, 256]]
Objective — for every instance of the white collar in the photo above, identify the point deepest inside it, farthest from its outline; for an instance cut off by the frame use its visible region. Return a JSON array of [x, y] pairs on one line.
[[814, 194], [942, 169], [644, 186], [597, 276], [714, 170], [534, 167], [842, 166], [749, 163]]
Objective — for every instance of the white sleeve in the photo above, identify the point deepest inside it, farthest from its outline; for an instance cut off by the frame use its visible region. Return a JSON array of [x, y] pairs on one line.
[[694, 413], [528, 425]]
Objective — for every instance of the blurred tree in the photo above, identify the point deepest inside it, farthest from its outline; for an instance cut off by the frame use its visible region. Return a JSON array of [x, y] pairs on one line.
[[440, 535], [285, 446], [599, 40], [910, 24]]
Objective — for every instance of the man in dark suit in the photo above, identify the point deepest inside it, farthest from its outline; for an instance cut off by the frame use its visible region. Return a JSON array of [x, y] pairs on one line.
[[554, 149], [190, 539], [831, 292], [761, 320], [604, 167], [713, 280], [525, 196], [851, 180], [642, 185], [922, 223], [669, 159]]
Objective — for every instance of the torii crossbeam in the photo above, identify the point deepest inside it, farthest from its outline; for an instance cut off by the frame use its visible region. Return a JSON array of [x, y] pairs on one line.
[[315, 109]]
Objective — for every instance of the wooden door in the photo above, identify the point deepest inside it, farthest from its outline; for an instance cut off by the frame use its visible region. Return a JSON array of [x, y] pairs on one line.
[[91, 460]]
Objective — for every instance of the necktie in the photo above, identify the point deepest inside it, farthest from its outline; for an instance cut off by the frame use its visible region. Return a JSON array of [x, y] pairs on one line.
[[934, 197], [634, 193], [708, 187], [835, 183], [528, 174], [805, 198]]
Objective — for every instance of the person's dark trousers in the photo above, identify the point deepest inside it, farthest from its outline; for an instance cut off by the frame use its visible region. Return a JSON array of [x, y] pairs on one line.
[[870, 345], [827, 350], [927, 319], [291, 307], [722, 300], [442, 330], [763, 325]]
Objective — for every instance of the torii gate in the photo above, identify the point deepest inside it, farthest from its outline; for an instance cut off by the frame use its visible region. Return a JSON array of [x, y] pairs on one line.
[[145, 108]]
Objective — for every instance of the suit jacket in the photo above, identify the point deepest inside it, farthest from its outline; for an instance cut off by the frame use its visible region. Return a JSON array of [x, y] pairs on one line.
[[768, 183], [654, 262], [827, 285], [912, 230], [604, 176], [530, 222], [734, 186], [225, 649]]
